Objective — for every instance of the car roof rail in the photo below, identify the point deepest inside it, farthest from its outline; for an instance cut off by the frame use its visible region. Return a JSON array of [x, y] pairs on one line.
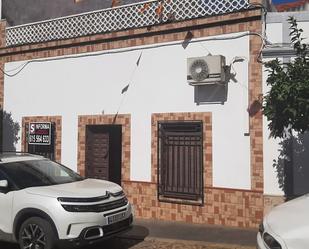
[[14, 152], [17, 153]]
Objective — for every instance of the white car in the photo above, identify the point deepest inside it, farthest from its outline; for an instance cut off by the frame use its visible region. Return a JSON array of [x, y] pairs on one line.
[[44, 204], [286, 226]]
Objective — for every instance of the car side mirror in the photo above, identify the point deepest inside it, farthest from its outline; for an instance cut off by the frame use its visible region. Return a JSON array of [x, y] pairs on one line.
[[4, 184]]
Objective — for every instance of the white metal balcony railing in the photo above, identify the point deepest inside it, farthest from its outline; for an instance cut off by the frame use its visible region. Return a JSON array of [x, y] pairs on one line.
[[120, 18]]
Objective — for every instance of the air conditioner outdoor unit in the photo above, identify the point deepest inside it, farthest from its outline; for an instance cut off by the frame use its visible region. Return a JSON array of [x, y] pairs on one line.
[[206, 70]]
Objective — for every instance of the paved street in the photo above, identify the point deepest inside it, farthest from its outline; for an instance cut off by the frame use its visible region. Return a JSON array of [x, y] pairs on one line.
[[156, 243], [151, 243], [153, 234]]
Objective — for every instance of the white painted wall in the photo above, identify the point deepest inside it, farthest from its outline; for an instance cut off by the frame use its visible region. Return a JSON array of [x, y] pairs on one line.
[[274, 32], [305, 27], [89, 85], [270, 152]]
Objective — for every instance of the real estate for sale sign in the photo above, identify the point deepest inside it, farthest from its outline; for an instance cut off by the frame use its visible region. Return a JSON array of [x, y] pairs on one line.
[[39, 133]]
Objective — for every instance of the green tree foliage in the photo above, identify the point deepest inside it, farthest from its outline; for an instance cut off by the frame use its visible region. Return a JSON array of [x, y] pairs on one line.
[[286, 105], [11, 130]]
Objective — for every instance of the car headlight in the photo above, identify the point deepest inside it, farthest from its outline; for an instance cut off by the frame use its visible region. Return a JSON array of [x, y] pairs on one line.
[[271, 242]]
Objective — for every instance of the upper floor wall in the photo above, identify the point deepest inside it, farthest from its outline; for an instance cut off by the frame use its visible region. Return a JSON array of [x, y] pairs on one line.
[[278, 30], [124, 17]]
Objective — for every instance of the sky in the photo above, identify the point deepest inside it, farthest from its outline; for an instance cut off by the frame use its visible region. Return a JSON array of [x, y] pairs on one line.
[[283, 1]]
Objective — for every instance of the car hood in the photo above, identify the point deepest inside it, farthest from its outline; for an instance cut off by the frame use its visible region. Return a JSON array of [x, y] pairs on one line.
[[290, 221], [85, 188]]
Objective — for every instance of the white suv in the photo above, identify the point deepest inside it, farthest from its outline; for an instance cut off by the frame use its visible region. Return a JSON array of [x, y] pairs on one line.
[[44, 204]]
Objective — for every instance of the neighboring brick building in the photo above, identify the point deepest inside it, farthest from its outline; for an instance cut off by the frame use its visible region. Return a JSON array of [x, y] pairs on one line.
[[114, 85]]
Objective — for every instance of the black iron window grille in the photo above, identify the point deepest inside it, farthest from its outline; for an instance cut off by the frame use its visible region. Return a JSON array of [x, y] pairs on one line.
[[180, 162]]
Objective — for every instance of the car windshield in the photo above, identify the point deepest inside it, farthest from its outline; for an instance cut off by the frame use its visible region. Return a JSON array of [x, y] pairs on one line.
[[35, 173]]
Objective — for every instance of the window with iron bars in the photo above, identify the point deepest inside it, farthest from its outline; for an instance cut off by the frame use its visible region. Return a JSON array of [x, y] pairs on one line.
[[180, 162]]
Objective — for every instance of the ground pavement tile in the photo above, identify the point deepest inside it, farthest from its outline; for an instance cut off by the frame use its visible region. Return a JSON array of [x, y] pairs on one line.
[[157, 243], [149, 243]]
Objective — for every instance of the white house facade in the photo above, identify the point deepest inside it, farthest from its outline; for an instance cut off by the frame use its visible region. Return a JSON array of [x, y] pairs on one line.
[[117, 93]]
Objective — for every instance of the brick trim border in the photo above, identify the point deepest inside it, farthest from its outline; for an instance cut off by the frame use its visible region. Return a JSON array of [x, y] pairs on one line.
[[271, 201], [124, 120], [230, 207], [215, 188], [256, 122], [53, 119]]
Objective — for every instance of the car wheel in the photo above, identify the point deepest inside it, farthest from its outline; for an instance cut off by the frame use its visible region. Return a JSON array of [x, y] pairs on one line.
[[36, 233]]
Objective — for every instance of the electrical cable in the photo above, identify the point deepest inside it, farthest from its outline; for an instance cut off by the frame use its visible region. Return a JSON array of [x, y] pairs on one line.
[[264, 35], [128, 86], [265, 12], [255, 4], [21, 67], [204, 47]]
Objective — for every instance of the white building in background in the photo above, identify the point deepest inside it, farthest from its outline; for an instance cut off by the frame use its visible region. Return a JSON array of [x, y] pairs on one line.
[[278, 34]]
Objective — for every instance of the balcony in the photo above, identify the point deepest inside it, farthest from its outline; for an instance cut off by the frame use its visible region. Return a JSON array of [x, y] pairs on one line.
[[125, 17]]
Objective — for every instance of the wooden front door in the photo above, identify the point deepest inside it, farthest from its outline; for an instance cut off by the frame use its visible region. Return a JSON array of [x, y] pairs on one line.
[[97, 154], [103, 152]]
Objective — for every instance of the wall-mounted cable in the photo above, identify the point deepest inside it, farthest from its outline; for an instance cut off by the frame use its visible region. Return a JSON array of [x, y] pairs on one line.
[[21, 67], [126, 88]]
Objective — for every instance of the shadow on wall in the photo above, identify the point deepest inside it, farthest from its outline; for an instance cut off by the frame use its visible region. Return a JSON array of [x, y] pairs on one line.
[[10, 132], [292, 166], [211, 94], [215, 93]]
